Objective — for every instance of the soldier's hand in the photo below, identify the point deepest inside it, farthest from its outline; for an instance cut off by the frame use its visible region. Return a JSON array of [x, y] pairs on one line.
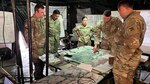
[[95, 49]]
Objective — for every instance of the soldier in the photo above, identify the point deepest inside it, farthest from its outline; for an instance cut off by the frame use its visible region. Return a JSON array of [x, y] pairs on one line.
[[83, 32], [128, 41], [54, 34], [109, 26], [38, 39]]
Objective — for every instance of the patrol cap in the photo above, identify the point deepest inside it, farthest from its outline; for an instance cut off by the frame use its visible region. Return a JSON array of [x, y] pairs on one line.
[[107, 13]]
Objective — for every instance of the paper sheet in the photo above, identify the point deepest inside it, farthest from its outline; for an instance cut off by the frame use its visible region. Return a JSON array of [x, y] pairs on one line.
[[144, 58], [85, 67], [103, 68]]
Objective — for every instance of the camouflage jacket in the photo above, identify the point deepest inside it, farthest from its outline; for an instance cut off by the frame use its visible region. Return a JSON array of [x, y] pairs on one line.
[[108, 29], [38, 35], [83, 33], [54, 28], [130, 37]]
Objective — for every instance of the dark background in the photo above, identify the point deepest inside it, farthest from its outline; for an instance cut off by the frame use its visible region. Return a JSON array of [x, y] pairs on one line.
[[97, 7]]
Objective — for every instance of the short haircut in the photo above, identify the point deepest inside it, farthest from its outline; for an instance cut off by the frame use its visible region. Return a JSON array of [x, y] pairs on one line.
[[84, 17], [126, 3], [38, 6], [56, 12], [107, 13]]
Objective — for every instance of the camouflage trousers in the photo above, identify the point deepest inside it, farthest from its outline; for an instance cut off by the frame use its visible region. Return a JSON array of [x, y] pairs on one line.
[[124, 73], [54, 44]]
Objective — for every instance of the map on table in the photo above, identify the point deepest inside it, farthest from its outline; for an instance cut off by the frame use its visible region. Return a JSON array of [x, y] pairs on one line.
[[84, 54]]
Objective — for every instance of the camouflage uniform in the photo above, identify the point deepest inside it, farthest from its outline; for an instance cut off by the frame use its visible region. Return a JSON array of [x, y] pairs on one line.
[[108, 30], [83, 34], [38, 44], [127, 48], [54, 35]]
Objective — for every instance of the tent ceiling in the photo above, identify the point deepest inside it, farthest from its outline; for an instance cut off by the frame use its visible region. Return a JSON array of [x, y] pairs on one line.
[[139, 4]]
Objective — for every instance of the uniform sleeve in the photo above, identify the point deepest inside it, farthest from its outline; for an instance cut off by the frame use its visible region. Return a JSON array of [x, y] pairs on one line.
[[26, 27], [131, 39], [44, 25], [26, 30], [76, 31], [34, 33], [59, 25], [118, 23], [91, 31], [97, 31], [132, 34]]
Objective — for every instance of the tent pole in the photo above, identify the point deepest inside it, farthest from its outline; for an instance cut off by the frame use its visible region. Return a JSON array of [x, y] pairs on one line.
[[18, 54], [30, 40], [47, 36]]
